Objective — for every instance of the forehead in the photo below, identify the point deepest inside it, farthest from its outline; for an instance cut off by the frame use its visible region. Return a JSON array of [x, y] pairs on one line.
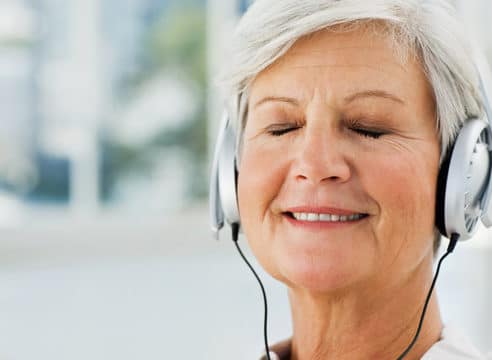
[[343, 61]]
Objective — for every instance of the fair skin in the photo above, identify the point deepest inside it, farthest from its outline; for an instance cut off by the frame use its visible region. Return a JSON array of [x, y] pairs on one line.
[[339, 126]]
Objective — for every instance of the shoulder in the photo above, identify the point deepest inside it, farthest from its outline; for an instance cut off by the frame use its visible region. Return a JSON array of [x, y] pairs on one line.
[[453, 345], [279, 351]]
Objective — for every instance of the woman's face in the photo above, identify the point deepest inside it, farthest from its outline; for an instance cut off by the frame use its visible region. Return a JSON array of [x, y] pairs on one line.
[[339, 163]]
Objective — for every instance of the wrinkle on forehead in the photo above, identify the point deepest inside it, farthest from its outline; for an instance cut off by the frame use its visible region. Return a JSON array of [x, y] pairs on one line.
[[303, 55], [385, 40], [403, 46]]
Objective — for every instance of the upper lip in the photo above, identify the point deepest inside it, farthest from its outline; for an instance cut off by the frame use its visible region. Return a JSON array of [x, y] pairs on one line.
[[321, 210]]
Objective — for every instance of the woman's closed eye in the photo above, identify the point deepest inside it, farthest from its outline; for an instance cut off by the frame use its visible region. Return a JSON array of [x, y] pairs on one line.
[[279, 130], [365, 130], [370, 133]]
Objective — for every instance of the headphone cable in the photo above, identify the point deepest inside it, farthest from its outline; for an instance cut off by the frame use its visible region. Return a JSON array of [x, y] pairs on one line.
[[452, 244], [235, 233]]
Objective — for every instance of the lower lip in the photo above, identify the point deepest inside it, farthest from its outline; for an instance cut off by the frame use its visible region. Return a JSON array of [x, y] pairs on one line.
[[321, 225]]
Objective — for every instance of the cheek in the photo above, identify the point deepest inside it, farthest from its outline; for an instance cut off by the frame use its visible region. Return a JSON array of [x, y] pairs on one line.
[[261, 175], [257, 182], [405, 190]]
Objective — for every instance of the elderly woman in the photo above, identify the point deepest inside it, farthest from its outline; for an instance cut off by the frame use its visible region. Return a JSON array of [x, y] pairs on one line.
[[346, 112]]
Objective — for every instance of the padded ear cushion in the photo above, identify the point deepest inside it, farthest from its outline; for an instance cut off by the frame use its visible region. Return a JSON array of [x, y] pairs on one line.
[[223, 200], [227, 176], [442, 180]]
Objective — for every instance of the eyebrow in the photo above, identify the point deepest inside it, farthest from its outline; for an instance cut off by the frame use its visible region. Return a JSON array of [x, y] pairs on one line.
[[283, 99], [373, 93], [356, 96]]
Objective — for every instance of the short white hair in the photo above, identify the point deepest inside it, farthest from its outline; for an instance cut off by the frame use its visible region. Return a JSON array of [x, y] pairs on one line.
[[428, 29]]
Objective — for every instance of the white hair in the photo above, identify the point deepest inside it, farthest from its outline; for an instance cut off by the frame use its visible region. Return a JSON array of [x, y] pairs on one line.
[[427, 29]]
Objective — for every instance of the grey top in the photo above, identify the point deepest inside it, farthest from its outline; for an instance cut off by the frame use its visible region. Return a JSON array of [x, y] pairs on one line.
[[453, 345]]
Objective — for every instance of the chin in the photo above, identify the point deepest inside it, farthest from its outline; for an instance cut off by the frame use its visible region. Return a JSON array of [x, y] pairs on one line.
[[326, 273]]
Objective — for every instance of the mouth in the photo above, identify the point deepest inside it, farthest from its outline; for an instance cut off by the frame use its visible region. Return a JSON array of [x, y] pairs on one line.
[[310, 217]]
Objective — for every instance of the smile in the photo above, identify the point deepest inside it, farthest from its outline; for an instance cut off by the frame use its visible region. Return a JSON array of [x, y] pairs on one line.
[[318, 217]]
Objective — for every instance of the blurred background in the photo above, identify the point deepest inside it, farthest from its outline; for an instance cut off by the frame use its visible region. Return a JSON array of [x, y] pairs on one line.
[[108, 115]]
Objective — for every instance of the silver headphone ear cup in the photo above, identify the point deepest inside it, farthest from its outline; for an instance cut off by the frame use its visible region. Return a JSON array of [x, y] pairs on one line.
[[466, 180], [227, 176], [215, 206], [222, 193]]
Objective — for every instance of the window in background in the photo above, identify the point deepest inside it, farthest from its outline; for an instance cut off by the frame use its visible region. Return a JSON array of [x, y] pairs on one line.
[[154, 144], [243, 5], [17, 96], [103, 104]]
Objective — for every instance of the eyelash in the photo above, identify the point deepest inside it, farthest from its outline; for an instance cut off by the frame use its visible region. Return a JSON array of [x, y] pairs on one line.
[[373, 134], [355, 126], [368, 133], [282, 131]]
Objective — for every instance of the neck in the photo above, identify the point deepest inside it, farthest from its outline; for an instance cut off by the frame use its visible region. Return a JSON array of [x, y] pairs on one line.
[[365, 324]]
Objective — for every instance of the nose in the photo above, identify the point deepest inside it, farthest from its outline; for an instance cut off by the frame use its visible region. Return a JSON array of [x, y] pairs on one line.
[[321, 157]]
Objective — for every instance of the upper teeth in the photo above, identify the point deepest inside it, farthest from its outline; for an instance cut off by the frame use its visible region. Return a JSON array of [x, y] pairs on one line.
[[325, 217]]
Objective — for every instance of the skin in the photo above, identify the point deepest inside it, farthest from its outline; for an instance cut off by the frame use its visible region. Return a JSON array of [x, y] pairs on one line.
[[340, 125]]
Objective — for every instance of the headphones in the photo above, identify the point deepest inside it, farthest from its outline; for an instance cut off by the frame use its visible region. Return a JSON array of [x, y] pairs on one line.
[[464, 184]]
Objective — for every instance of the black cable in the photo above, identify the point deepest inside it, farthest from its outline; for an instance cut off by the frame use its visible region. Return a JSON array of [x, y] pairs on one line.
[[451, 246], [235, 233]]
